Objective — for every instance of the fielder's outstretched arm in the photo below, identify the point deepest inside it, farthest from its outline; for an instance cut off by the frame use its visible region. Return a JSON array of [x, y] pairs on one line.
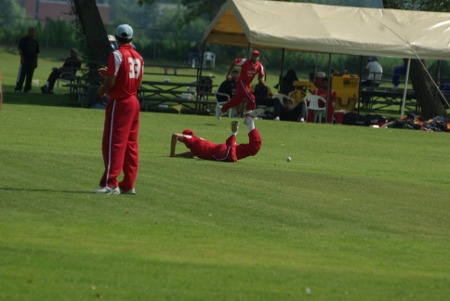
[[173, 144]]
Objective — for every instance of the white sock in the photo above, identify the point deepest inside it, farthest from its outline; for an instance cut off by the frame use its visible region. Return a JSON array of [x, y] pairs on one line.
[[250, 123]]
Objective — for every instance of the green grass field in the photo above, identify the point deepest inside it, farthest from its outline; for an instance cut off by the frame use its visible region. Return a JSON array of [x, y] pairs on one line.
[[359, 214]]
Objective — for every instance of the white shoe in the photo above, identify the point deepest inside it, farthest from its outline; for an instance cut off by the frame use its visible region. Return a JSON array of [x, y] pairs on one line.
[[302, 119], [255, 113], [218, 111], [277, 118], [234, 126], [108, 190], [132, 191]]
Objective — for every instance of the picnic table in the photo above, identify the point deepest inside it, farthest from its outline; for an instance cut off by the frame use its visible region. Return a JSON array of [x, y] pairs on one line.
[[193, 95], [385, 99], [79, 89], [176, 86]]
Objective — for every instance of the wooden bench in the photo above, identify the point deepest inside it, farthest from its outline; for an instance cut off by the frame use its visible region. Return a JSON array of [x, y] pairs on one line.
[[158, 104], [79, 89], [385, 100], [194, 96]]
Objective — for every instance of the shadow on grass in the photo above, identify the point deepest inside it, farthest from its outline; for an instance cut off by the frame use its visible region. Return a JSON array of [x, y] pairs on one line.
[[44, 190], [35, 97]]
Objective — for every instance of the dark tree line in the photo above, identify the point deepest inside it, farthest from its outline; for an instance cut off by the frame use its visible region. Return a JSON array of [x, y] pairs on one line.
[[430, 101]]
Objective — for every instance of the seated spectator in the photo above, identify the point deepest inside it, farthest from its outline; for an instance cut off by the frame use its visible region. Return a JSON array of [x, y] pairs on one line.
[[292, 107], [321, 89], [263, 95], [287, 82], [285, 109], [227, 87], [399, 70], [298, 96], [375, 71], [67, 71]]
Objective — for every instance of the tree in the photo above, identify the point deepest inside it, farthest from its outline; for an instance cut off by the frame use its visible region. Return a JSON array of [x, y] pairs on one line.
[[197, 8], [92, 28], [428, 97], [11, 17]]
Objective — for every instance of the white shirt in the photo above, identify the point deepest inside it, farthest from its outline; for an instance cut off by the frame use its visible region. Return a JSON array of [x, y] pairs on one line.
[[375, 71]]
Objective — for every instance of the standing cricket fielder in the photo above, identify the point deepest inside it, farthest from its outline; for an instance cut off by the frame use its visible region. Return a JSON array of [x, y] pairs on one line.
[[123, 77], [249, 69]]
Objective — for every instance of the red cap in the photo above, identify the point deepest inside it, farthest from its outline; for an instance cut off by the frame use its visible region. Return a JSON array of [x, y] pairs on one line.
[[255, 52], [188, 132]]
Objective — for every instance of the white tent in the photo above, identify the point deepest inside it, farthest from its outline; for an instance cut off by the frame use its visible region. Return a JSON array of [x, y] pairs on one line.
[[332, 29]]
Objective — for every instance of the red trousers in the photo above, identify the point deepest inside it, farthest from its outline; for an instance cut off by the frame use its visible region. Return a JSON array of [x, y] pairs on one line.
[[120, 142], [251, 148], [231, 152], [242, 93], [226, 151]]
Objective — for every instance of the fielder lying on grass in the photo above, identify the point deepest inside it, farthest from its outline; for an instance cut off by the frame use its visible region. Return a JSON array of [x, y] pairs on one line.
[[227, 152]]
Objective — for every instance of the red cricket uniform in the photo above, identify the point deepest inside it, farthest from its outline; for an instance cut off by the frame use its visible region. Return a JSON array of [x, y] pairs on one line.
[[248, 73], [228, 151], [120, 134]]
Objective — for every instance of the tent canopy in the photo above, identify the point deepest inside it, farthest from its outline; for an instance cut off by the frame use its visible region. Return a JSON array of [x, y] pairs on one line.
[[331, 29]]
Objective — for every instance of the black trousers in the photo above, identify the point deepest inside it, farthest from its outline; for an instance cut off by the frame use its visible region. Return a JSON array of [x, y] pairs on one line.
[[52, 78], [26, 72]]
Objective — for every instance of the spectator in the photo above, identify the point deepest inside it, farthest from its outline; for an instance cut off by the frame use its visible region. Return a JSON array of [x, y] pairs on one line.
[[225, 152], [321, 89], [71, 65], [445, 85], [228, 87], [293, 107], [249, 69], [284, 109], [29, 52], [399, 70], [375, 72], [298, 96], [263, 96], [287, 82], [112, 41], [195, 54], [122, 79]]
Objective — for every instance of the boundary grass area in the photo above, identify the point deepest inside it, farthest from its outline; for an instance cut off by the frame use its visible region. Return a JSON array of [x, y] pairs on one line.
[[358, 214]]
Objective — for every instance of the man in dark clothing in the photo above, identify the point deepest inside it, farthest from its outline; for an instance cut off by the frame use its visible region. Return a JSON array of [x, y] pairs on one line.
[[67, 71], [286, 85], [28, 50], [227, 87]]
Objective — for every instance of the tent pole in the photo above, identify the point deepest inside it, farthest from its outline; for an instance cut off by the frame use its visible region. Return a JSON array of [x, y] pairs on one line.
[[199, 78], [280, 79], [328, 88], [438, 82], [402, 113], [359, 86]]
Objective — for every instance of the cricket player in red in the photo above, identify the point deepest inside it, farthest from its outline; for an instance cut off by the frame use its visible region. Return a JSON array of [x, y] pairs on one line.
[[249, 69], [226, 152], [123, 77]]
